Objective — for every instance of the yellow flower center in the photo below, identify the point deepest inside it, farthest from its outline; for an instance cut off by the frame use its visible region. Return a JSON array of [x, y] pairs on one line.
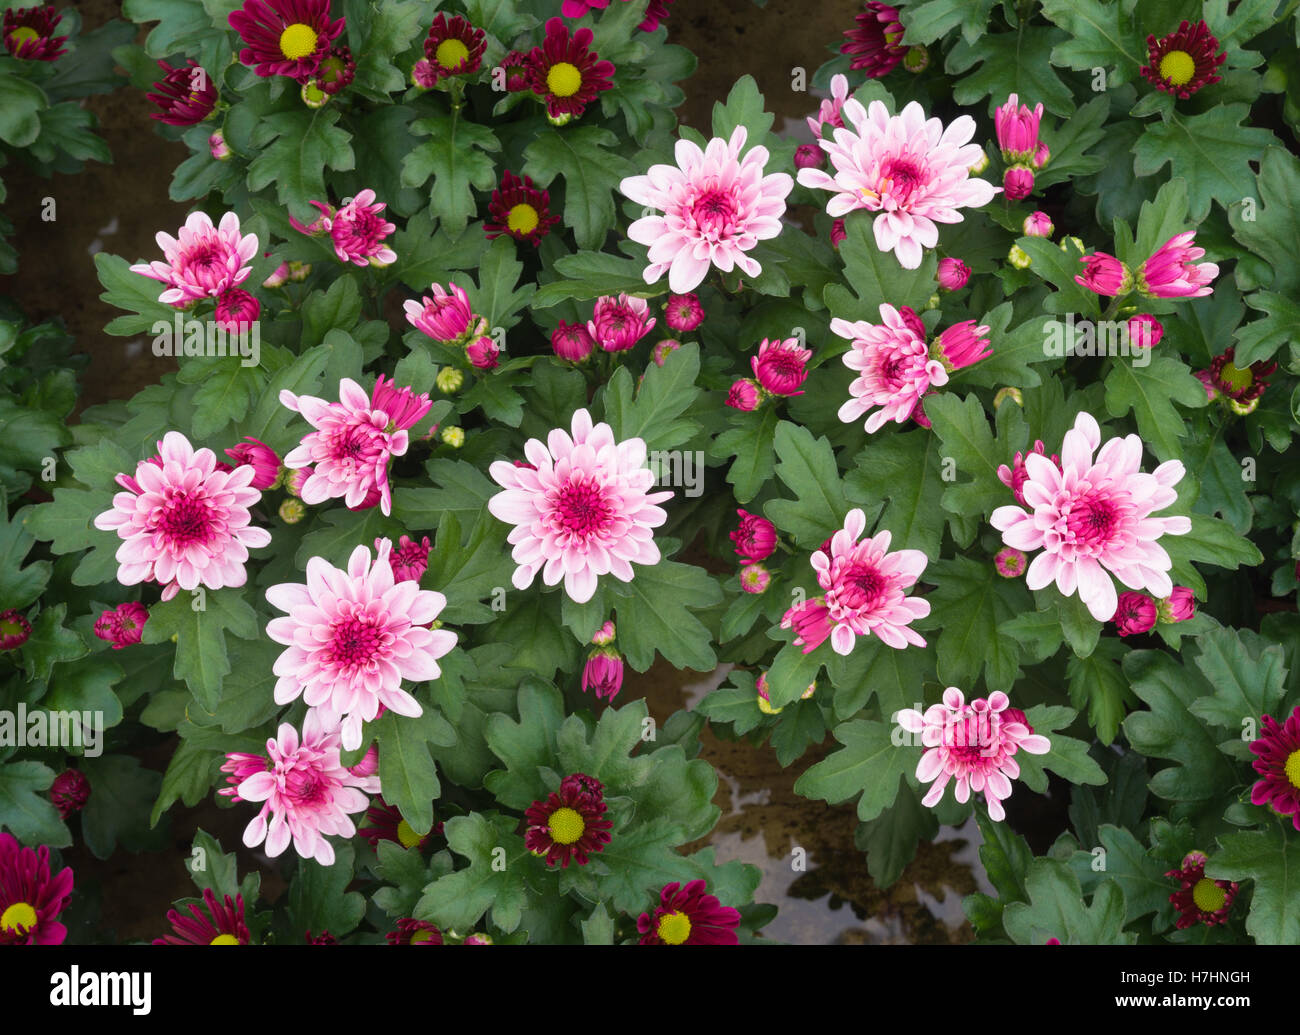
[[22, 34], [1292, 768], [298, 40], [1237, 377], [674, 928], [1208, 896], [1177, 67], [451, 53], [566, 826], [18, 918], [224, 939], [522, 218], [563, 79], [406, 835]]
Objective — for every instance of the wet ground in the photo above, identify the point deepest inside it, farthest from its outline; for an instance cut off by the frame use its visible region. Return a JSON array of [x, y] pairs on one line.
[[120, 207]]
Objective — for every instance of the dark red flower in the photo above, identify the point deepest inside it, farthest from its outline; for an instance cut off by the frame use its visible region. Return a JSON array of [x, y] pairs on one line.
[[570, 823], [30, 897], [519, 209], [285, 37], [70, 791], [414, 932], [875, 44], [453, 47], [566, 72], [1184, 61], [29, 33], [688, 916], [223, 923], [185, 95], [1200, 900], [1278, 765]]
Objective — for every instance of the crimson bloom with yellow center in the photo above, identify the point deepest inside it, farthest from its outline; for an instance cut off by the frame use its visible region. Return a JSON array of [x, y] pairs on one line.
[[29, 33], [520, 210], [1199, 899], [1184, 61], [566, 72], [221, 924], [453, 47], [31, 898], [570, 823], [285, 37], [1278, 764], [1241, 386], [414, 932], [688, 916], [387, 824]]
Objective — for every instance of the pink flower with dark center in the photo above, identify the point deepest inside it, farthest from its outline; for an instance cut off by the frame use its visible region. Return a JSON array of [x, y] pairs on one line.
[[684, 312], [620, 322], [1105, 275], [446, 317], [781, 366], [285, 37], [973, 745], [756, 537], [1172, 271], [864, 592], [352, 637], [961, 345], [202, 261], [572, 342], [482, 353], [894, 367], [185, 97], [183, 522], [1179, 606], [261, 457], [349, 450], [1144, 331], [745, 394], [754, 578], [1010, 563], [358, 232], [829, 112], [222, 924], [1038, 224], [875, 44], [952, 274], [716, 207], [308, 793], [689, 916], [808, 156], [236, 311], [1278, 763], [914, 172], [70, 791], [1135, 613], [1017, 130], [410, 560], [1091, 518], [1014, 477], [586, 511], [122, 626], [603, 673], [1018, 182], [31, 898]]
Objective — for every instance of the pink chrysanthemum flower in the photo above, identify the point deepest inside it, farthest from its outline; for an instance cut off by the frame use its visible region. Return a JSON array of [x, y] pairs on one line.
[[894, 364], [808, 156], [663, 349], [829, 111], [716, 206], [31, 898], [183, 522], [914, 172], [1135, 613], [756, 537], [238, 767], [307, 792], [446, 317], [1094, 517], [586, 511], [1017, 130], [1199, 899], [781, 367], [875, 44], [1010, 563], [1105, 275], [745, 394], [689, 916], [973, 744], [961, 345], [352, 637], [220, 151], [285, 37], [1278, 748], [864, 592], [1172, 271], [1018, 183], [603, 673], [1014, 477], [483, 353], [14, 629], [754, 578], [952, 274], [349, 450], [838, 233], [69, 792], [358, 232], [1038, 224], [261, 457], [619, 322], [185, 97], [572, 342], [410, 559], [236, 311], [223, 924], [1179, 606], [1144, 331], [684, 312], [203, 261], [29, 33], [123, 626]]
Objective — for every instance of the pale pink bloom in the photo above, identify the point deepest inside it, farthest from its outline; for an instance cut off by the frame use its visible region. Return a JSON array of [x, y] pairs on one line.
[[1105, 275], [1093, 517], [1171, 272], [972, 744], [586, 511], [445, 317], [1038, 224], [1014, 477], [1017, 130], [830, 109], [952, 274], [358, 232], [259, 456], [307, 793], [619, 322], [352, 637], [240, 765], [1010, 563], [716, 206], [864, 586], [1134, 613], [183, 522], [279, 278], [349, 450], [914, 172], [894, 368], [781, 366], [203, 261]]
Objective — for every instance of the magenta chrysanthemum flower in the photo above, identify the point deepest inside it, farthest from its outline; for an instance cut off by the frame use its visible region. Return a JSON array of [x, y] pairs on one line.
[[1038, 224], [519, 209], [952, 274], [69, 792], [1179, 606], [1278, 764], [236, 311], [570, 824], [261, 457], [1172, 272], [123, 626], [349, 450], [358, 231], [961, 345], [1184, 61], [566, 72], [29, 33], [1014, 477], [409, 559], [829, 111], [781, 366], [689, 916], [183, 522], [220, 151], [1017, 130], [414, 932], [386, 823], [238, 767], [1241, 386], [307, 792], [663, 349], [1105, 275], [1144, 331], [1010, 563], [838, 233], [572, 342], [684, 312], [1200, 900], [894, 367], [285, 37], [222, 924], [603, 673], [754, 578], [586, 511], [1135, 613], [352, 637], [453, 47], [483, 353], [335, 72], [755, 539], [1094, 517], [185, 97], [619, 322], [875, 44], [808, 156], [202, 261], [973, 744], [745, 394], [716, 206], [914, 172], [1018, 183], [864, 592], [446, 317], [31, 898]]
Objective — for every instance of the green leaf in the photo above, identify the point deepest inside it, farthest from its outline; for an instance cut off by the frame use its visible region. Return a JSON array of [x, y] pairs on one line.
[[1247, 673], [20, 106], [1274, 226], [1058, 267], [1135, 869], [406, 767], [50, 643], [526, 746], [306, 143], [20, 584], [201, 659], [190, 774], [598, 928], [808, 469], [269, 421], [744, 107], [470, 573], [86, 685], [968, 604], [495, 297], [1150, 392], [211, 868], [454, 155], [1101, 36], [385, 31], [589, 275], [875, 276], [1219, 474], [1271, 859], [592, 168], [927, 22], [655, 613], [1260, 339], [1067, 757], [1014, 353], [963, 428], [1057, 909], [121, 792], [801, 725], [66, 127], [458, 900], [893, 676], [1006, 858], [890, 840], [1097, 683], [752, 446], [319, 899], [1011, 62], [903, 469], [25, 807], [792, 672], [1210, 541], [323, 311], [654, 413], [869, 763], [133, 292]]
